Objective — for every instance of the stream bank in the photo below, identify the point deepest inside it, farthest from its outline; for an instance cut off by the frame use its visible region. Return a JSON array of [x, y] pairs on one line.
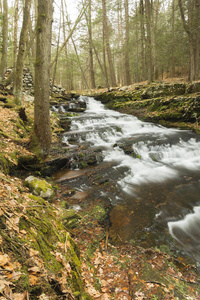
[[173, 104]]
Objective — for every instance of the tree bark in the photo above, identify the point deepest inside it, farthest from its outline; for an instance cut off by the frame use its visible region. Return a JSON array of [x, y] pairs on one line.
[[148, 42], [16, 17], [173, 39], [191, 25], [3, 65], [42, 126], [18, 78], [91, 62], [155, 50], [107, 44], [142, 32], [127, 63]]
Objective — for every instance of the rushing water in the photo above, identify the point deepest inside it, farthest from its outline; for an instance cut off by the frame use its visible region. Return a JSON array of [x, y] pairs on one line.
[[160, 187]]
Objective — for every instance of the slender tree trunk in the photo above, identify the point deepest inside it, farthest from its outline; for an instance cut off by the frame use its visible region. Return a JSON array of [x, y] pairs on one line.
[[18, 79], [127, 50], [42, 126], [107, 44], [173, 39], [16, 17], [104, 61], [119, 40], [142, 32], [97, 56], [56, 62], [155, 50], [91, 62], [71, 32], [191, 24], [3, 65], [148, 41]]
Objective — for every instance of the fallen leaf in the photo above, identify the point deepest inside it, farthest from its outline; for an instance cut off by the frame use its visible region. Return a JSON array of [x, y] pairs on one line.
[[3, 260], [33, 279], [34, 269]]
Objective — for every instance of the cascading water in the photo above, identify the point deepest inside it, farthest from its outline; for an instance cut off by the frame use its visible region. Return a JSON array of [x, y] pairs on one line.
[[163, 172]]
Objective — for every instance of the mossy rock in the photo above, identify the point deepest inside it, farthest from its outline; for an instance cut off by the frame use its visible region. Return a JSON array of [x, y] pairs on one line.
[[99, 213], [40, 187], [193, 87], [27, 162], [70, 219], [165, 89]]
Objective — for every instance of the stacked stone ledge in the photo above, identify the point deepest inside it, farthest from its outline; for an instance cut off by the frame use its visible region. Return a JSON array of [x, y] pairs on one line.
[[28, 83]]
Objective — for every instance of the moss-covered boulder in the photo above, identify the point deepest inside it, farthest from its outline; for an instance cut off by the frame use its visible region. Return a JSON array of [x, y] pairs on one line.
[[193, 87], [159, 90], [70, 219], [40, 187]]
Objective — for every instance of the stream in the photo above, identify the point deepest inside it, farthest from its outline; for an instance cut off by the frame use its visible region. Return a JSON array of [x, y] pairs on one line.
[[149, 174]]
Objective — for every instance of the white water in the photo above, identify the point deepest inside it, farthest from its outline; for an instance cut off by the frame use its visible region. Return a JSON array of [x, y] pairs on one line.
[[161, 157], [163, 154]]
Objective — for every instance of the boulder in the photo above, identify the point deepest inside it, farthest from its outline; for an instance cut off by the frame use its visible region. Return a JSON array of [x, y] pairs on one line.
[[40, 187], [164, 89], [193, 87]]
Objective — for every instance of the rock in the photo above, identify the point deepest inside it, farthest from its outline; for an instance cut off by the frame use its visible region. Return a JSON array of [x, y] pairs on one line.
[[40, 187], [193, 87], [70, 219], [165, 89]]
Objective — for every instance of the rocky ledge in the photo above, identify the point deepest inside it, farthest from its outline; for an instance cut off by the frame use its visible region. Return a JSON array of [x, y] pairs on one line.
[[169, 104]]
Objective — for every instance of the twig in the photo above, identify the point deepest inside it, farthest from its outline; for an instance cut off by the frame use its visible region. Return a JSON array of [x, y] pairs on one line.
[[156, 282], [119, 237], [106, 245], [5, 270]]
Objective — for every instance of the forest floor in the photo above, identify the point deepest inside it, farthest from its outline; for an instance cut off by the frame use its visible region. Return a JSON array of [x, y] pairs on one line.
[[107, 271]]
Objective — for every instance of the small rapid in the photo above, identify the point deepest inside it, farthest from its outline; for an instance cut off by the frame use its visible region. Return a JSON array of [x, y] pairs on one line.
[[164, 168]]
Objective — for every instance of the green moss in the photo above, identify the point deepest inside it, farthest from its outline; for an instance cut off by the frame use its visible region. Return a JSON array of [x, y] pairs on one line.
[[99, 213], [5, 164], [40, 187], [70, 219]]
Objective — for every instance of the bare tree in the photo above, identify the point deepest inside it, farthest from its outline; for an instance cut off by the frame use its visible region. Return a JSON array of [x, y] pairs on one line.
[[15, 32], [18, 78], [107, 43], [91, 62], [148, 41], [127, 50], [3, 64], [191, 25], [42, 126]]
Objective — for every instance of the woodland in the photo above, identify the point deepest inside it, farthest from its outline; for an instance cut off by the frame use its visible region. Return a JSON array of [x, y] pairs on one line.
[[139, 57]]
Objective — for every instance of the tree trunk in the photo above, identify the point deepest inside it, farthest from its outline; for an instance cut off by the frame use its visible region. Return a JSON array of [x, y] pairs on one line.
[[16, 17], [18, 79], [191, 25], [70, 34], [91, 62], [107, 44], [42, 126], [142, 32], [148, 41], [155, 26], [127, 50], [3, 65], [173, 39]]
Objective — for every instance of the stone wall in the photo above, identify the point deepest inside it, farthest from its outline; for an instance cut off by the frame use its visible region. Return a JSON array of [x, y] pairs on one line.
[[28, 83]]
